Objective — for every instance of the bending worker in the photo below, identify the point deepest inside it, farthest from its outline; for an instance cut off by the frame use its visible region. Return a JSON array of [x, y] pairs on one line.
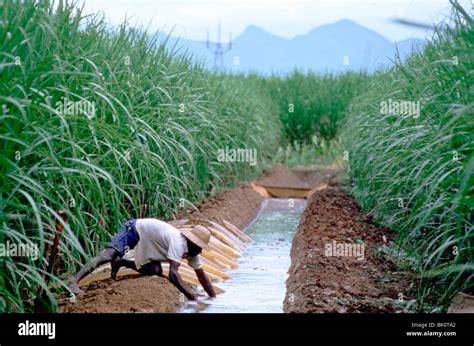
[[154, 242]]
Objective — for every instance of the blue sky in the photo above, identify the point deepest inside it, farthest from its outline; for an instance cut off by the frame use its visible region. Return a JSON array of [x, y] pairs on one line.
[[192, 18]]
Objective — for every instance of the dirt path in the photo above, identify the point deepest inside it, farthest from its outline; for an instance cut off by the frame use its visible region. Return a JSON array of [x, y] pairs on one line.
[[354, 282], [153, 294]]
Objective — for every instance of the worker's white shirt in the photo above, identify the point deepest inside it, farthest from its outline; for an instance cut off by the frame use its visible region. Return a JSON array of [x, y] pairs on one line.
[[160, 241]]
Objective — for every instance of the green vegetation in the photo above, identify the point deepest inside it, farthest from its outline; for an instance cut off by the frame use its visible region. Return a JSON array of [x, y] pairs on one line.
[[313, 105], [414, 172], [109, 124], [149, 147]]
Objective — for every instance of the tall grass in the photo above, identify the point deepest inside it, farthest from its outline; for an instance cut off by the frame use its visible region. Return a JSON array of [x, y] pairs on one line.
[[313, 105], [415, 174], [160, 118], [149, 150]]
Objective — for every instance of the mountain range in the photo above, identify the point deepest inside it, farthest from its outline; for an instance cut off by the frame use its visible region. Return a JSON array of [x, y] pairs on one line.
[[337, 47]]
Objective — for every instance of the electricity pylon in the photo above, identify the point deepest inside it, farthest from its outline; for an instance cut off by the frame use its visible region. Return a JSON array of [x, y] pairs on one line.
[[218, 50]]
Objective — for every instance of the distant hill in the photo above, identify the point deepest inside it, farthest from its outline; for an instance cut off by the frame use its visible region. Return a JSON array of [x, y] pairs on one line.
[[324, 49]]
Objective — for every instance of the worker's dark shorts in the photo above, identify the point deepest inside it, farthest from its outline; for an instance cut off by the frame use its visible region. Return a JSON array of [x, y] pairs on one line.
[[126, 238]]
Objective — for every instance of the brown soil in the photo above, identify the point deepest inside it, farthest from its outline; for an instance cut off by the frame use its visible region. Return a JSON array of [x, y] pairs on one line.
[[281, 176], [320, 283], [131, 294], [238, 206], [314, 177]]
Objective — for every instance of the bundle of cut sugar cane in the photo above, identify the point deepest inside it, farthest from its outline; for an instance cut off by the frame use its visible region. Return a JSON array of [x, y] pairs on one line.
[[227, 244]]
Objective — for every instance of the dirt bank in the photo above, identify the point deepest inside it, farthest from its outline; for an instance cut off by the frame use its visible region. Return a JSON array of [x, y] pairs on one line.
[[239, 206], [153, 294], [318, 282], [281, 176]]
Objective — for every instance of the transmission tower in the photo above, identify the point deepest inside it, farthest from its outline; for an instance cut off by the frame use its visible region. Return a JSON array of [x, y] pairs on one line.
[[217, 48]]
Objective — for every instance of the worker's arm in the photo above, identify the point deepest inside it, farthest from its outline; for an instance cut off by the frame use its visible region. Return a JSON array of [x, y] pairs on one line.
[[176, 280], [205, 282]]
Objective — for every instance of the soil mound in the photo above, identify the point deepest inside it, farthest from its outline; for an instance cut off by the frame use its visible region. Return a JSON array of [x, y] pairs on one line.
[[327, 281], [281, 176], [130, 294]]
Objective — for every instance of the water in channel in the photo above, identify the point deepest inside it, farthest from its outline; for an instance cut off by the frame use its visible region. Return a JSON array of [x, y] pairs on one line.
[[258, 284]]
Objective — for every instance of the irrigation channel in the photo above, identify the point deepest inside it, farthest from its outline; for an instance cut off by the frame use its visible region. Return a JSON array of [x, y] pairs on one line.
[[258, 283]]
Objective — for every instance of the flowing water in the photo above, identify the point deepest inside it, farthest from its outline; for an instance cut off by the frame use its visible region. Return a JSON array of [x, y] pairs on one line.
[[258, 284]]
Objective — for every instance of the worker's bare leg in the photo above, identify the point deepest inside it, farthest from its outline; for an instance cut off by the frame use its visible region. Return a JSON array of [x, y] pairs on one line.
[[118, 263], [105, 256], [151, 268]]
